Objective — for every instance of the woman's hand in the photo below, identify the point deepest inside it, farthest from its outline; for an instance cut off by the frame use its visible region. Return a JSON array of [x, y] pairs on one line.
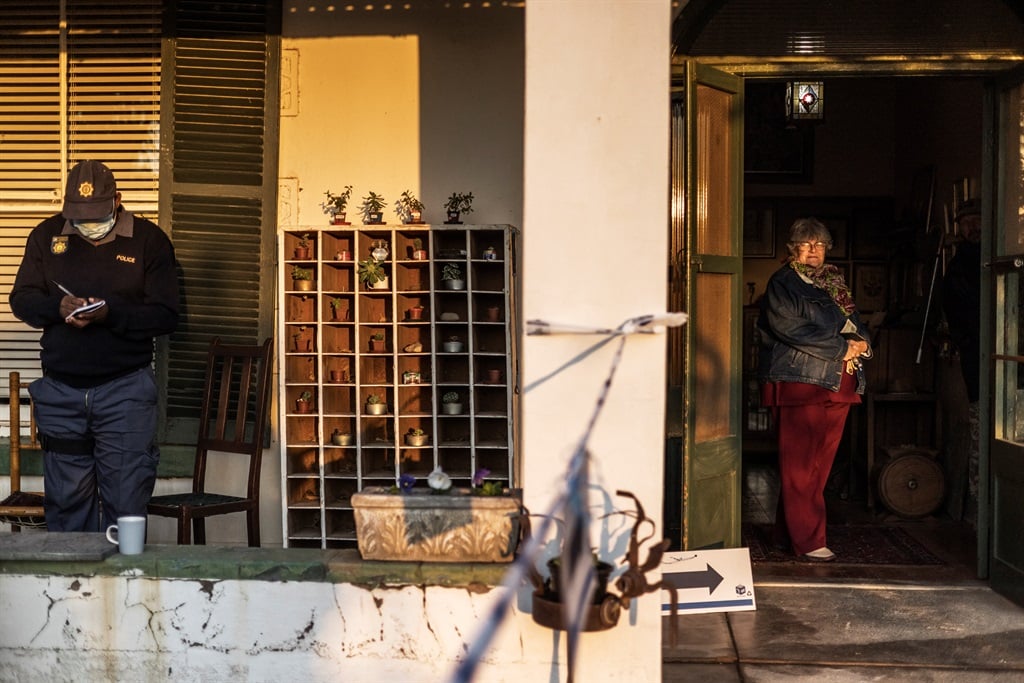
[[854, 349]]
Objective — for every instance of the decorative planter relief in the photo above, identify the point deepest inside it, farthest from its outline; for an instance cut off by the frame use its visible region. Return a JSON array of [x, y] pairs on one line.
[[421, 527]]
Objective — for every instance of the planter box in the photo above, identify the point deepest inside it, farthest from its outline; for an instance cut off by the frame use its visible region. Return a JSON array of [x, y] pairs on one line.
[[424, 527]]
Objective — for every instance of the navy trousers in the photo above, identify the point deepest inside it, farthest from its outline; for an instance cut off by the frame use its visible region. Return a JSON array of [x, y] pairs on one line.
[[120, 417]]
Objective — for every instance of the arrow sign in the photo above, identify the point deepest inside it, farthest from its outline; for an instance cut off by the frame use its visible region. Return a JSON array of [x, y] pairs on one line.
[[729, 583], [708, 578]]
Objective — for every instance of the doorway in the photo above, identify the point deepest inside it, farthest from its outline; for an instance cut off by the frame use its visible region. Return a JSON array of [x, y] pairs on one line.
[[886, 150]]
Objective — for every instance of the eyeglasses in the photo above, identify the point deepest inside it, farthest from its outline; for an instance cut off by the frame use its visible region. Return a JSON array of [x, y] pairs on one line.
[[808, 246]]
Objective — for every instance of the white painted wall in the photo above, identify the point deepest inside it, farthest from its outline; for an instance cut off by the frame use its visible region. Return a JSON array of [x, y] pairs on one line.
[[595, 233], [132, 628]]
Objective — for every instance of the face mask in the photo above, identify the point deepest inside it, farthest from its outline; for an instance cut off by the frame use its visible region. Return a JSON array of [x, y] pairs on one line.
[[96, 230]]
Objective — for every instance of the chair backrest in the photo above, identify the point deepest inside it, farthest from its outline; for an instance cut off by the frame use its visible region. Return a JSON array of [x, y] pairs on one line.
[[235, 407]]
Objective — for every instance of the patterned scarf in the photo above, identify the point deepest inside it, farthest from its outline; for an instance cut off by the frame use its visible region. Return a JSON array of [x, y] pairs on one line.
[[829, 279]]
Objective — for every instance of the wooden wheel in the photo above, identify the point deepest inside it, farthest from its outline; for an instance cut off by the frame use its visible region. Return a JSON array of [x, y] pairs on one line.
[[911, 485]]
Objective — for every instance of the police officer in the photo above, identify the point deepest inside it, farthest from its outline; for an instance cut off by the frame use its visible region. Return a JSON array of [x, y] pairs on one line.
[[101, 283]]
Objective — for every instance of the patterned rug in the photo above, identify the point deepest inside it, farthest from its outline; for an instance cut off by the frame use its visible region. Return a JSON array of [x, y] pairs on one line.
[[851, 544]]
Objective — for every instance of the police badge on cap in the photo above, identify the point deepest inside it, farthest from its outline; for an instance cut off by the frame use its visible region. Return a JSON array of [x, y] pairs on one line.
[[90, 192]]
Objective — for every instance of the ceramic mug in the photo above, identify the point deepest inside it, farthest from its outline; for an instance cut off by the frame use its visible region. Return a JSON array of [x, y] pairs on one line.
[[129, 534]]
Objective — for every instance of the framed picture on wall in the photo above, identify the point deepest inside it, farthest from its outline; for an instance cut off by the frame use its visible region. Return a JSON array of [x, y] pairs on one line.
[[870, 287], [759, 229]]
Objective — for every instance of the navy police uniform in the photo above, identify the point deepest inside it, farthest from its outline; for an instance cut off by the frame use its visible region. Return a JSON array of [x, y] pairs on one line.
[[96, 404]]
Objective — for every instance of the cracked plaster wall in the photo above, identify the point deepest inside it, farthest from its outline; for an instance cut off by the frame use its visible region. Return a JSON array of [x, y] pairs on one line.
[[126, 628]]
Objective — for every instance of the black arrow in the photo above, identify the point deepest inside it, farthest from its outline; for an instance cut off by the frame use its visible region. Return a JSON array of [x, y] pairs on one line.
[[708, 578]]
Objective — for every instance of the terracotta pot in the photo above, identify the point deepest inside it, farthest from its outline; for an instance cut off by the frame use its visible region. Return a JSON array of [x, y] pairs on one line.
[[419, 255], [303, 406], [302, 253], [494, 376], [338, 375], [492, 314], [415, 313], [343, 255], [378, 346]]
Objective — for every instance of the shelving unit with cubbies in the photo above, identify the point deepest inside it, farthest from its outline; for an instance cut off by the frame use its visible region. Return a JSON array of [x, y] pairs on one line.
[[343, 342]]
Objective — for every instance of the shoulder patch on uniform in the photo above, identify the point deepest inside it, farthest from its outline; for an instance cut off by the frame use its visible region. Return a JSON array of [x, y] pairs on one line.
[[58, 244]]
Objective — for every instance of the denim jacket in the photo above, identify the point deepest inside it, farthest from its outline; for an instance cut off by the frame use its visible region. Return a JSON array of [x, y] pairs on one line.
[[803, 334]]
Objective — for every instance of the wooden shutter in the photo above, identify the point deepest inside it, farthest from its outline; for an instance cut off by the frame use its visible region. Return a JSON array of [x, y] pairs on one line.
[[82, 84], [221, 188]]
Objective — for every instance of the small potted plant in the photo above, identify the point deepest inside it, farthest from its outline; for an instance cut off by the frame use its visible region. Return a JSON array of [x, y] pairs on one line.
[[304, 403], [302, 279], [457, 205], [409, 208], [412, 377], [493, 376], [451, 404], [301, 340], [418, 253], [335, 205], [371, 272], [492, 314], [338, 376], [375, 405], [340, 438], [302, 249], [453, 344], [416, 437], [415, 312], [377, 342], [372, 209], [342, 255], [337, 312], [451, 273]]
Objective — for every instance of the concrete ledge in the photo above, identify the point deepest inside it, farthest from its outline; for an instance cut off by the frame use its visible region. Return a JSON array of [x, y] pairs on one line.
[[231, 563]]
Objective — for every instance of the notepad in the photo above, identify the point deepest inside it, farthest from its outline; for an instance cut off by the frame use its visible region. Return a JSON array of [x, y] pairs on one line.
[[87, 308]]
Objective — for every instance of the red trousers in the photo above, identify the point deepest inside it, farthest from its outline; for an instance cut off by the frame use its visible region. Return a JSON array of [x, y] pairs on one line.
[[808, 438]]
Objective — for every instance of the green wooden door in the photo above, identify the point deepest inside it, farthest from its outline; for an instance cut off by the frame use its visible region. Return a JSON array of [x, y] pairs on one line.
[[1001, 488], [712, 268]]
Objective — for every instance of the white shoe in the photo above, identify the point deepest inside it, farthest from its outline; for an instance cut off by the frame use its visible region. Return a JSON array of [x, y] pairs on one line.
[[822, 554]]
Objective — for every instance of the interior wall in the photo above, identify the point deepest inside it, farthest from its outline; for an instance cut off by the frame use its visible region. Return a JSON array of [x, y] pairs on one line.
[[877, 134]]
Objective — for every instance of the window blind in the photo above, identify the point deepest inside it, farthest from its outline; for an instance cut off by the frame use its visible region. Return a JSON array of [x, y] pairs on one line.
[[78, 79]]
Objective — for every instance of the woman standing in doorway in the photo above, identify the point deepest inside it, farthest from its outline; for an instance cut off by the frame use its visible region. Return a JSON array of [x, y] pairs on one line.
[[812, 343]]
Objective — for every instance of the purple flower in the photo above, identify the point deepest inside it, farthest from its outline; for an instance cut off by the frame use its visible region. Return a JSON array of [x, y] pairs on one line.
[[406, 482], [481, 474]]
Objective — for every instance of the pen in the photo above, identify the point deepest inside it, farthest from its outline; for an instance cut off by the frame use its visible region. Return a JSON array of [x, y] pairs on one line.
[[64, 289]]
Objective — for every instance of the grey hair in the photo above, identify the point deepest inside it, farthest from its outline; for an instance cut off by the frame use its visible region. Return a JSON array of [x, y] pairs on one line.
[[808, 230]]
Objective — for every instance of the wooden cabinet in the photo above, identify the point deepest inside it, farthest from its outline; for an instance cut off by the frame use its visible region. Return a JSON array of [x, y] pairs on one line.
[[377, 362]]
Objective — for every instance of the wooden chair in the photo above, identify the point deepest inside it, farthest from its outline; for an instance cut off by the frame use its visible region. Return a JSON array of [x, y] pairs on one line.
[[21, 508], [233, 420]]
